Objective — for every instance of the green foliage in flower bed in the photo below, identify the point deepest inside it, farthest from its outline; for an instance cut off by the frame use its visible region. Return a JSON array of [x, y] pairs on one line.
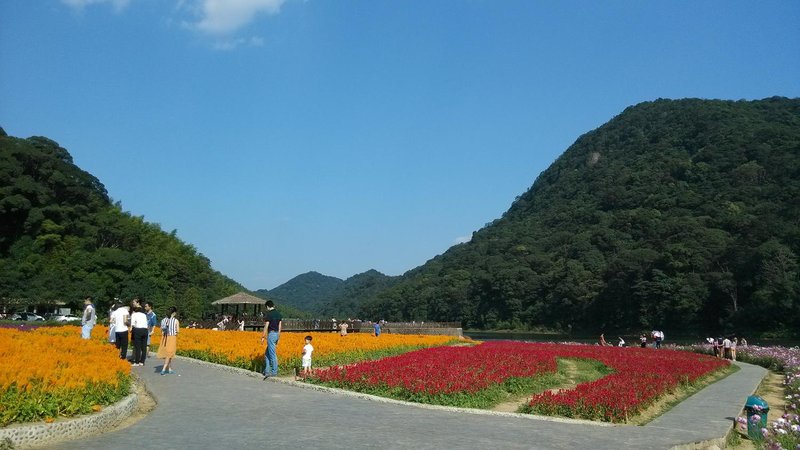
[[38, 403]]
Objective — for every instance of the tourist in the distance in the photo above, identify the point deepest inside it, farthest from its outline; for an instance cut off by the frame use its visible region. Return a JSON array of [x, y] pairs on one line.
[[377, 327], [272, 333], [343, 329], [139, 335], [112, 335], [733, 348], [726, 348], [643, 341], [89, 318], [602, 340], [120, 320], [169, 340], [152, 321]]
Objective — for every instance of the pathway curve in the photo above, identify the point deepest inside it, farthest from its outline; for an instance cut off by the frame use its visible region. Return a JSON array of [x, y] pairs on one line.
[[205, 407]]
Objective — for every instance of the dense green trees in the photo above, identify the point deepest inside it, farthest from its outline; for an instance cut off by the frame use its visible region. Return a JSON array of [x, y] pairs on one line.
[[61, 239], [681, 215]]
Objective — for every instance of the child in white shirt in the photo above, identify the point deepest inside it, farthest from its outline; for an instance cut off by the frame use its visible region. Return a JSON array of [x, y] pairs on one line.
[[308, 349]]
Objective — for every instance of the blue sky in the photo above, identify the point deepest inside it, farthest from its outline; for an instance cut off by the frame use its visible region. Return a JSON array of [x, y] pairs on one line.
[[283, 136]]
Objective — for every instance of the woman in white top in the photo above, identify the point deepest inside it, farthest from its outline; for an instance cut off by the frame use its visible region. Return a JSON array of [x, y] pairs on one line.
[[139, 336], [120, 319]]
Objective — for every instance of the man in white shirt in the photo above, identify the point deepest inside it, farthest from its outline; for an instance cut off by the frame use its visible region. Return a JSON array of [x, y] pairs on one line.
[[726, 345], [120, 319], [89, 318]]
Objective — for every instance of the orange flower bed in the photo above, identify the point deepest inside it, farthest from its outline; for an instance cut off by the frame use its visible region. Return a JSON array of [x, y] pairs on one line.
[[50, 372], [245, 348]]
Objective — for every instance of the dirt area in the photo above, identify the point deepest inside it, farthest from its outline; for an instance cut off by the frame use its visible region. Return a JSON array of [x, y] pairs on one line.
[[514, 404], [146, 404], [771, 390]]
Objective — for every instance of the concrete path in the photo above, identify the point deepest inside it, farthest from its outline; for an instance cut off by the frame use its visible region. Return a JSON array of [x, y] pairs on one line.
[[205, 407]]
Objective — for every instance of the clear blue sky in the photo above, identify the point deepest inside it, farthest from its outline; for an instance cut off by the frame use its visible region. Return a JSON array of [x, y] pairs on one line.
[[283, 136]]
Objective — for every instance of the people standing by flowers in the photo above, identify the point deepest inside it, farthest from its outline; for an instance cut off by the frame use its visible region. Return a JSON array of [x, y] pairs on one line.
[[139, 336], [89, 318], [272, 333], [112, 335], [643, 341], [726, 348], [377, 327], [169, 340], [733, 348], [152, 321], [120, 319]]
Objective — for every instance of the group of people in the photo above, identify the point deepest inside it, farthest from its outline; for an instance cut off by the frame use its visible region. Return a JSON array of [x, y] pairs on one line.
[[137, 321], [656, 335], [725, 347], [273, 324]]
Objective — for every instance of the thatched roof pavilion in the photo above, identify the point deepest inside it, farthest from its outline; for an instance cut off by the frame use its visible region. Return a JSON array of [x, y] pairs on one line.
[[243, 299]]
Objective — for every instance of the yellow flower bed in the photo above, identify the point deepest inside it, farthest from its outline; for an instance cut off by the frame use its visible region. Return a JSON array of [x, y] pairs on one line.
[[245, 348], [51, 372]]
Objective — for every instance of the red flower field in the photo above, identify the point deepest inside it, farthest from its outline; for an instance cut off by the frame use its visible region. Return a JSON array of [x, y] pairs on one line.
[[639, 376]]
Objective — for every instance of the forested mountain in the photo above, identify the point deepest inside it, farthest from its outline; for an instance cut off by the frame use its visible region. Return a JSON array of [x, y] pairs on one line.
[[61, 238], [355, 291], [677, 215], [325, 296], [306, 291]]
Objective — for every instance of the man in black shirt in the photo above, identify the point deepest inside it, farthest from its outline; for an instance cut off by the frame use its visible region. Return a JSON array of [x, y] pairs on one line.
[[272, 332]]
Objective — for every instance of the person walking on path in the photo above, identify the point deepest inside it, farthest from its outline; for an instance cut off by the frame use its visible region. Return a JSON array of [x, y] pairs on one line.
[[169, 340], [152, 321], [272, 333], [89, 318], [139, 336], [120, 319]]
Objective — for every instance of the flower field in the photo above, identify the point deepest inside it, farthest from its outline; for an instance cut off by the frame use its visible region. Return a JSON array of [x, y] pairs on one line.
[[51, 372], [245, 349], [441, 374], [640, 377]]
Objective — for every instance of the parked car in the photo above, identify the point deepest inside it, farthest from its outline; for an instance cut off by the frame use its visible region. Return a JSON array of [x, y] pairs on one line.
[[30, 317], [66, 318]]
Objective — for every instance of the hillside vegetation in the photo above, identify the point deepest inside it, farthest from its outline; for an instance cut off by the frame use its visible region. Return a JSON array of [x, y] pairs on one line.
[[61, 238], [327, 296], [677, 215]]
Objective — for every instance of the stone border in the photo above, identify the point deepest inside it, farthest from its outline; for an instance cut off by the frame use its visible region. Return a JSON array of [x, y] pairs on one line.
[[375, 398], [42, 434]]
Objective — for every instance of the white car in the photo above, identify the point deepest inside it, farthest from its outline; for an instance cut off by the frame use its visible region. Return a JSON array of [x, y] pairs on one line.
[[67, 318], [27, 316]]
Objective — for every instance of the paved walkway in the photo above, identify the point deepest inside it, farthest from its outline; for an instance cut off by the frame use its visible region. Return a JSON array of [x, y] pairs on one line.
[[205, 407]]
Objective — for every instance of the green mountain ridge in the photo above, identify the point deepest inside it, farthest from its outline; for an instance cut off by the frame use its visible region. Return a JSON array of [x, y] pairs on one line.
[[328, 296], [676, 214], [62, 238]]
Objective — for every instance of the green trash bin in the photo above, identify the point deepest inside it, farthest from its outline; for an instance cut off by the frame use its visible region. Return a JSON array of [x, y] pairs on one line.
[[756, 409]]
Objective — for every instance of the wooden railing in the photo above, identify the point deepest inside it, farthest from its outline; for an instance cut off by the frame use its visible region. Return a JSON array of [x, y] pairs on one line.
[[299, 325]]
